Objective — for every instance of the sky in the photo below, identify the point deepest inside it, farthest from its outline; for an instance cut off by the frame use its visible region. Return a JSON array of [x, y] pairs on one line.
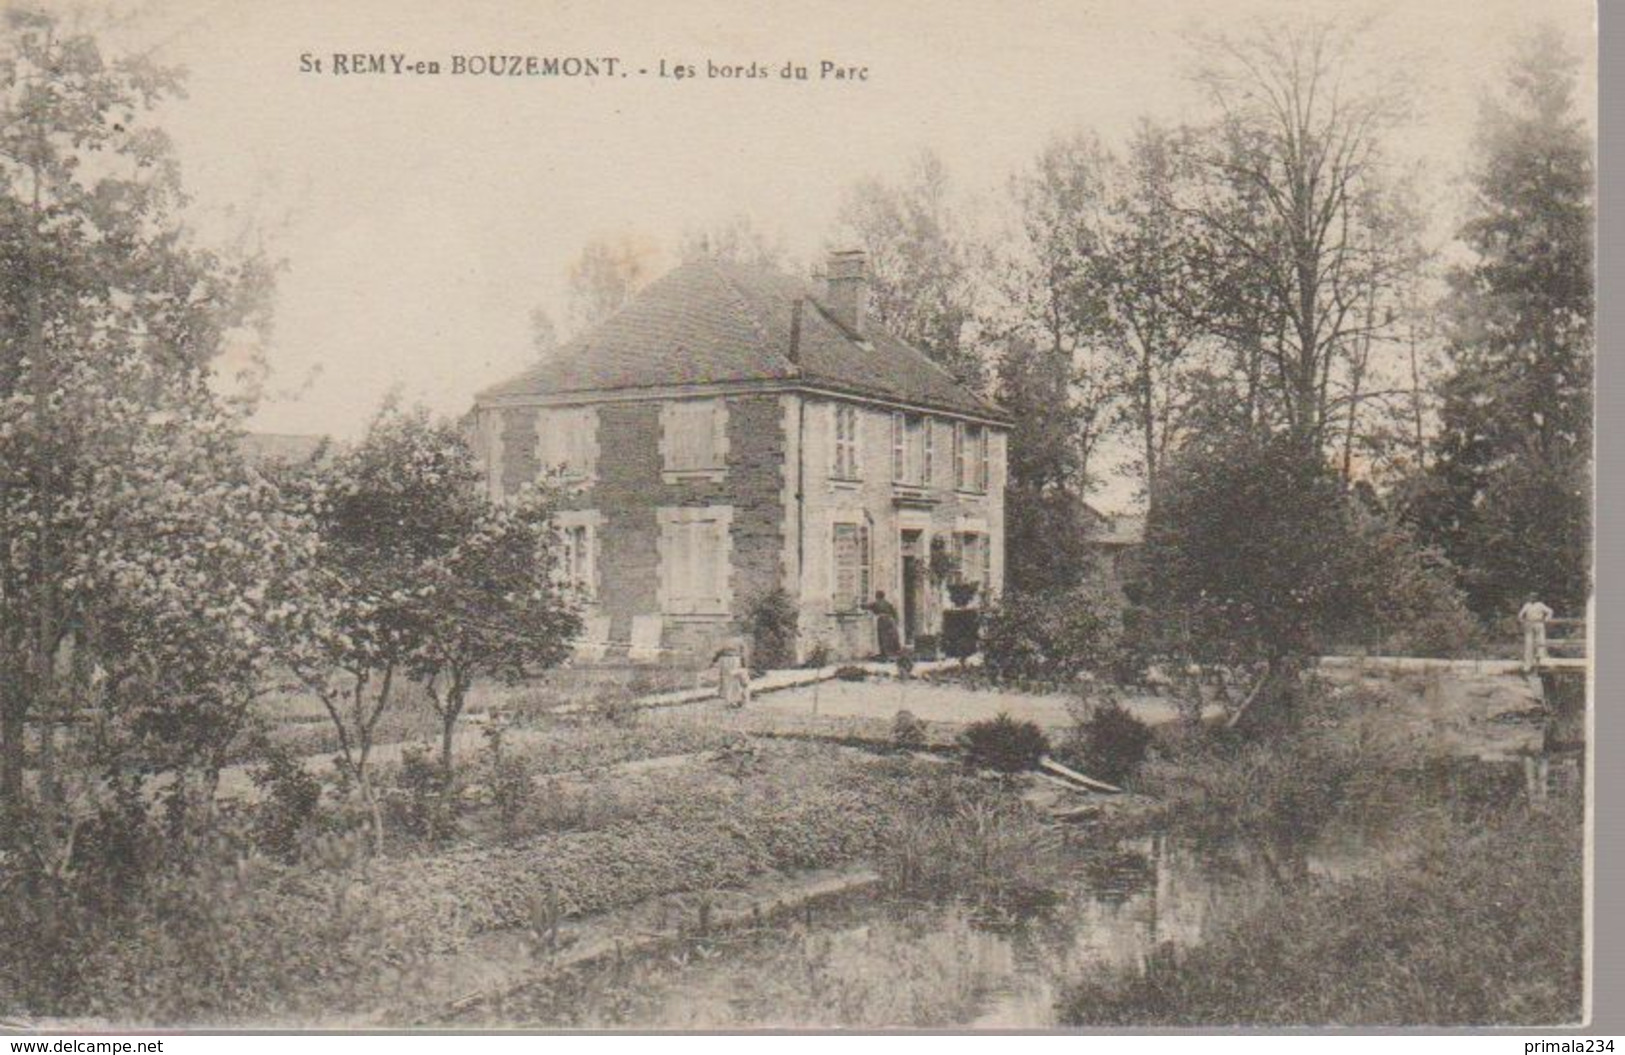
[[420, 219]]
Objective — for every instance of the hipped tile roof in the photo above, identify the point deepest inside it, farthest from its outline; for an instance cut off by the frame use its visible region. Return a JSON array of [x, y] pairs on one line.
[[710, 322]]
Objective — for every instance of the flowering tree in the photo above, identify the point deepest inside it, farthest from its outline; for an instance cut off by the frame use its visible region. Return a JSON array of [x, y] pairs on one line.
[[141, 563], [427, 580], [492, 608]]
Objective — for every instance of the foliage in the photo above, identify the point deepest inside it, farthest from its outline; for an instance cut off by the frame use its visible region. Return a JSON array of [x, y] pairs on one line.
[[908, 732], [1246, 551], [961, 839], [1346, 755], [605, 276], [136, 542], [421, 803], [1003, 744], [1508, 496], [439, 584], [289, 803], [1409, 602], [850, 673], [510, 782], [771, 622], [961, 633], [1154, 302], [1050, 317], [193, 928], [1053, 636], [810, 809], [1256, 554], [1386, 950], [921, 286], [1304, 232], [736, 240], [1111, 743]]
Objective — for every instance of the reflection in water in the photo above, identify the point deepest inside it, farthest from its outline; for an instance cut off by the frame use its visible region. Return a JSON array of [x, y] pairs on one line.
[[878, 962], [1145, 899]]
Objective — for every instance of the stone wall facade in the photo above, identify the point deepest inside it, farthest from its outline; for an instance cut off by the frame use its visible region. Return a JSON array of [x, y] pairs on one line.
[[782, 501]]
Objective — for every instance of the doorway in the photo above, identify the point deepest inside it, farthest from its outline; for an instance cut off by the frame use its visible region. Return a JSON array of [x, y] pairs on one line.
[[913, 571]]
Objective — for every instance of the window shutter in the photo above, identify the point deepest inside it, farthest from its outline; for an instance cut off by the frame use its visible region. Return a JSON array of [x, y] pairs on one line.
[[850, 575], [682, 564], [863, 564], [899, 449]]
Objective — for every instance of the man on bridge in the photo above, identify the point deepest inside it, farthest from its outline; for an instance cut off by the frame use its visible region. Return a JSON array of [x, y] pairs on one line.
[[1533, 616]]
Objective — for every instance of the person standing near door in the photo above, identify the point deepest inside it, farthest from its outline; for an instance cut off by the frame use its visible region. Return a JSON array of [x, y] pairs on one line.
[[885, 613]]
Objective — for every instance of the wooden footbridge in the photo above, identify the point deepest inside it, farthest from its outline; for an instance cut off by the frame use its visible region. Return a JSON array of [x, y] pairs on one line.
[[1566, 647]]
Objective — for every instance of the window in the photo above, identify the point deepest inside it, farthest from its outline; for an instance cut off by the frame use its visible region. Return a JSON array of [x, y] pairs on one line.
[[694, 438], [970, 457], [910, 438], [577, 565], [846, 443], [575, 559], [567, 441], [928, 456], [694, 559], [974, 554], [852, 568]]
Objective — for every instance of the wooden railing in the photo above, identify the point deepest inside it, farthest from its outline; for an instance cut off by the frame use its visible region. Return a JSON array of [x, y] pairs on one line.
[[1565, 643]]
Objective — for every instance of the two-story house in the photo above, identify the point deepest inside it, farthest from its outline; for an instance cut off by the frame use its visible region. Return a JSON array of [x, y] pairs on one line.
[[731, 430]]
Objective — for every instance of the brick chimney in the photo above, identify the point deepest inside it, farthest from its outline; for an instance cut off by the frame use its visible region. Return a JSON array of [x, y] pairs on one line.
[[847, 295]]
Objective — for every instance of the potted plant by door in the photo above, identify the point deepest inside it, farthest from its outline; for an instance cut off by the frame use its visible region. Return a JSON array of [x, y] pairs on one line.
[[961, 624]]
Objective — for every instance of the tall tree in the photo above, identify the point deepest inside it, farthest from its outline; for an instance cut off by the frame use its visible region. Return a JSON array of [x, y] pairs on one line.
[[1050, 306], [738, 240], [1509, 497], [544, 335], [1150, 294], [605, 276], [1052, 378], [1047, 521], [1302, 215], [919, 260], [119, 482]]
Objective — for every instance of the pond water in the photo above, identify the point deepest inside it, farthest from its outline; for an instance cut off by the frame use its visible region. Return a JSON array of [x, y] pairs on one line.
[[871, 961]]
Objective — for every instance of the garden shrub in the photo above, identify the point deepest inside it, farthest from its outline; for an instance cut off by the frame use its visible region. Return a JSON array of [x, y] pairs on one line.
[[1409, 597], [1003, 744], [771, 620], [961, 633], [851, 673], [1053, 636], [907, 732], [289, 803], [1112, 742], [421, 803]]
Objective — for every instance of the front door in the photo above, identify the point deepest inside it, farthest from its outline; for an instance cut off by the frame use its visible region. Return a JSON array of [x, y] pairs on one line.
[[913, 584]]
